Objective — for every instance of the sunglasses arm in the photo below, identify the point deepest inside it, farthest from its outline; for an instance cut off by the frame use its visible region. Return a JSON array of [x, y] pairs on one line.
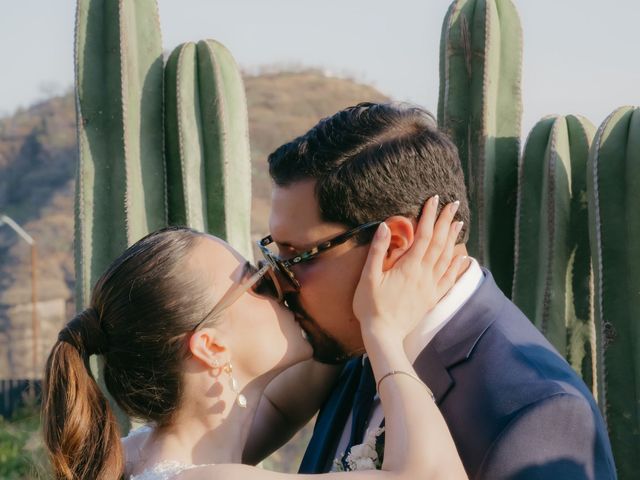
[[232, 295]]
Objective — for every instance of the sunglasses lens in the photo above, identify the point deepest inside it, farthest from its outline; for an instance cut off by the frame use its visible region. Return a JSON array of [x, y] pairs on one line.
[[268, 285], [279, 271], [277, 289], [289, 276]]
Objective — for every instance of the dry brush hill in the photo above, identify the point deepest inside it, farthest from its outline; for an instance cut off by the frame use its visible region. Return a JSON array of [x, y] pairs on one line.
[[38, 155]]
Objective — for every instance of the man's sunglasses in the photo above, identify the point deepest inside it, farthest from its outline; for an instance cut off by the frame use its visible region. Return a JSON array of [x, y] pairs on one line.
[[283, 267]]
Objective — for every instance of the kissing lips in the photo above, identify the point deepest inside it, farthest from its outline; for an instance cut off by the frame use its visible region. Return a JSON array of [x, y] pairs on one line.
[[304, 334], [300, 319], [326, 349]]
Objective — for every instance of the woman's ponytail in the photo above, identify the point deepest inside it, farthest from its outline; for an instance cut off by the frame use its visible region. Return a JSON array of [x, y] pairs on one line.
[[80, 430]]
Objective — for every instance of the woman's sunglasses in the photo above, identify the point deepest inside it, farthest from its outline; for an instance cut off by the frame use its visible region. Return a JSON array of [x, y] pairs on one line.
[[261, 281]]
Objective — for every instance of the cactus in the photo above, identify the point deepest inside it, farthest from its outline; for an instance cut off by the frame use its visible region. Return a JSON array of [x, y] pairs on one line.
[[120, 190], [614, 227], [480, 107], [120, 185], [207, 143], [552, 262]]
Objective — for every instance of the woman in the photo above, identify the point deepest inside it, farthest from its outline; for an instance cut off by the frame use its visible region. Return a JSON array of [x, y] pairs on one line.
[[191, 336]]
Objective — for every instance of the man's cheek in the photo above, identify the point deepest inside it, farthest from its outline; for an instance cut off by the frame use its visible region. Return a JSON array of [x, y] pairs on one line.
[[313, 282]]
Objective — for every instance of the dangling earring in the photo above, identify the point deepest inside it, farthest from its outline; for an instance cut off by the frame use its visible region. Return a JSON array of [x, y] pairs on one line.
[[241, 400]]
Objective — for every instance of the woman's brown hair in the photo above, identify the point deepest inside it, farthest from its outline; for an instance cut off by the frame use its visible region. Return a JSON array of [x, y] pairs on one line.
[[141, 310]]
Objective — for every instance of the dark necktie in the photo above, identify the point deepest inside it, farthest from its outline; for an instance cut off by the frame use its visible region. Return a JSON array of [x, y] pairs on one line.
[[362, 403]]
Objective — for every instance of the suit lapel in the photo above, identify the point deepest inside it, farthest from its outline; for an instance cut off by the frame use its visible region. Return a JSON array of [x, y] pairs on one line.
[[431, 371], [331, 420], [457, 339], [452, 345]]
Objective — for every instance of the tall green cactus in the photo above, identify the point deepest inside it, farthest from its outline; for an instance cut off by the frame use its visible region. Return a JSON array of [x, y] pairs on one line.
[[614, 199], [207, 143], [120, 192], [552, 262], [120, 185], [480, 107]]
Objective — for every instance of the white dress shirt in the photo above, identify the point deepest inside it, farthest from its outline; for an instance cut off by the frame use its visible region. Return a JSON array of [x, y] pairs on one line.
[[424, 332]]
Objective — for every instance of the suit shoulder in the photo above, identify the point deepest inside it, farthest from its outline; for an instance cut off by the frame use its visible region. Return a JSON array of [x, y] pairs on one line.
[[513, 358], [559, 436]]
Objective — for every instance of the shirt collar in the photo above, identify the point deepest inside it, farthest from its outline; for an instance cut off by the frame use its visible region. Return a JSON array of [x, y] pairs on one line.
[[444, 310]]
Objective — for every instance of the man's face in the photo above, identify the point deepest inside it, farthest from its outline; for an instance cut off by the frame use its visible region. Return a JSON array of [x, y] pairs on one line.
[[323, 306]]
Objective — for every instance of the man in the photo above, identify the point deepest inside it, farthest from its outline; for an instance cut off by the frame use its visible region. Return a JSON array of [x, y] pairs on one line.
[[515, 408]]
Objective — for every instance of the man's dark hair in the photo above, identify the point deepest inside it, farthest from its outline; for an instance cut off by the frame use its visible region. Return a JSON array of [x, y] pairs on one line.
[[372, 161]]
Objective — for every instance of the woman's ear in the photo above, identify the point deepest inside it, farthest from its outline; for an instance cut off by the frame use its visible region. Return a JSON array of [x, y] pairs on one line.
[[402, 234], [204, 346]]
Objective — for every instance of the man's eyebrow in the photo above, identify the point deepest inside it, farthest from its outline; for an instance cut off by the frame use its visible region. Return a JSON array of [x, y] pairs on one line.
[[282, 243], [298, 247]]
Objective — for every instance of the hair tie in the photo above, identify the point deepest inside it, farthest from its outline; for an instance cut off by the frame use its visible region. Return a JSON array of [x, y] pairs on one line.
[[85, 333]]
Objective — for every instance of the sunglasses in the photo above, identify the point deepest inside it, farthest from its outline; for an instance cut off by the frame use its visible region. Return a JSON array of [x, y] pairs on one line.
[[264, 280], [260, 280], [283, 267]]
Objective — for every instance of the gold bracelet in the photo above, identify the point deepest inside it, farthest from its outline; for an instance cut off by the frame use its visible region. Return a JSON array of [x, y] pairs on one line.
[[402, 372]]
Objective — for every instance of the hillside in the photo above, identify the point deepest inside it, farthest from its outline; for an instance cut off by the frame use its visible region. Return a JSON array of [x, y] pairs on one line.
[[37, 163]]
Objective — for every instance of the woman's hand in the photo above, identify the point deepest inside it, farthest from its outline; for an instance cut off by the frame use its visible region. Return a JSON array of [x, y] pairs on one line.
[[393, 301]]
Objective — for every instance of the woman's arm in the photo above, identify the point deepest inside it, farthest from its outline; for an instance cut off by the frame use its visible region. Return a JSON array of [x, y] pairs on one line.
[[388, 304], [417, 441], [418, 444], [389, 301], [288, 403]]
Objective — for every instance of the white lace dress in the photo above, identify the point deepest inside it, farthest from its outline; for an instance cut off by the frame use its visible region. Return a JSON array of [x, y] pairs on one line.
[[164, 470]]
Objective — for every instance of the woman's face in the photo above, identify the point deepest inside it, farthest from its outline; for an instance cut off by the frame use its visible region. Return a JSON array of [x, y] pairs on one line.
[[260, 334]]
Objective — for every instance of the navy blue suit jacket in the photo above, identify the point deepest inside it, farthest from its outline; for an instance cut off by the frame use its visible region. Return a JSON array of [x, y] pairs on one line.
[[514, 406]]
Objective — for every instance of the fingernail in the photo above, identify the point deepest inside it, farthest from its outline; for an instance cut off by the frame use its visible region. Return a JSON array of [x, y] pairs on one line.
[[383, 230], [436, 199], [455, 205], [459, 226]]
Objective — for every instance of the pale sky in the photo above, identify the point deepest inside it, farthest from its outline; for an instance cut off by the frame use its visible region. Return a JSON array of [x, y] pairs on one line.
[[580, 56]]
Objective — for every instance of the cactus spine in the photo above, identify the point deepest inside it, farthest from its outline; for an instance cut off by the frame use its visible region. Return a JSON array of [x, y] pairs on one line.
[[552, 263], [120, 193], [480, 106], [207, 143], [614, 227]]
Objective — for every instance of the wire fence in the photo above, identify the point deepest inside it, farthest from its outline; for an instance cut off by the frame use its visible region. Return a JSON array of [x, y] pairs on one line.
[[17, 393]]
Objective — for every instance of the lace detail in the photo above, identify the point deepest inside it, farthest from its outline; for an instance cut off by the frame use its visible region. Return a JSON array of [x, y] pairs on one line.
[[165, 470], [141, 429]]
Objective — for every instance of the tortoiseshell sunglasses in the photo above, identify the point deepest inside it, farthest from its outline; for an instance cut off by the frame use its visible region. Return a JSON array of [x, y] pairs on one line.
[[284, 266]]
